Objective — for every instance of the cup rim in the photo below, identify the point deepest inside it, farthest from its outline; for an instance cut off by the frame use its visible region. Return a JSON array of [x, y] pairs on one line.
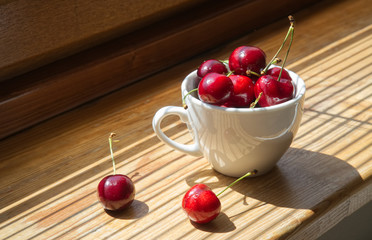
[[300, 90]]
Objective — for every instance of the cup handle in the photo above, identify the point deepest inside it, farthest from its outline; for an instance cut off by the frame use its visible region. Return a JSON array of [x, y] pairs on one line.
[[192, 149]]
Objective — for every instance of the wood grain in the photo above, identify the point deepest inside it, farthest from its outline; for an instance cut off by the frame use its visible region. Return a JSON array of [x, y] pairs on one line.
[[35, 33], [40, 94], [49, 173]]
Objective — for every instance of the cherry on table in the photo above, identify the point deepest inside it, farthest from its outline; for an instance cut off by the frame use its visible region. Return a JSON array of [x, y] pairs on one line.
[[117, 191], [202, 205]]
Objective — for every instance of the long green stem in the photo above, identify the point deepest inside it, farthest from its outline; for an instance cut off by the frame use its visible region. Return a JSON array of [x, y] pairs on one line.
[[281, 47], [237, 180], [276, 55], [287, 53], [112, 154]]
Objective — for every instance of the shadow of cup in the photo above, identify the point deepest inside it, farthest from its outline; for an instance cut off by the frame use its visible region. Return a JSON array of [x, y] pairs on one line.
[[301, 180]]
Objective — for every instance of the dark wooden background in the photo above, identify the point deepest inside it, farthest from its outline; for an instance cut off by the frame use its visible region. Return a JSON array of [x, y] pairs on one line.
[[59, 55]]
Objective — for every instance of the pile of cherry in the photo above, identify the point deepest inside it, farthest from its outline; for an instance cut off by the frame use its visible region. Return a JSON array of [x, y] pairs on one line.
[[244, 81], [243, 84]]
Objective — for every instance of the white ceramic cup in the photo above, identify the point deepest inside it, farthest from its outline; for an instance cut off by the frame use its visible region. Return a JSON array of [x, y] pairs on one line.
[[236, 140]]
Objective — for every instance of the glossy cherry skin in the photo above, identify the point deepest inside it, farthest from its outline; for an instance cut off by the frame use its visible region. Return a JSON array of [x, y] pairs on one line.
[[246, 58], [201, 204], [273, 91], [243, 94], [116, 192], [275, 71], [215, 88], [211, 65]]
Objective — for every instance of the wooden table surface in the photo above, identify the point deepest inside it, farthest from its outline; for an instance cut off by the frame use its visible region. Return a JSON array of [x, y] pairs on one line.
[[49, 173]]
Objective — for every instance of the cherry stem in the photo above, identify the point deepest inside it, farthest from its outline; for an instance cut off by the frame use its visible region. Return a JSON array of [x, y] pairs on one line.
[[250, 72], [237, 180], [287, 53], [256, 101], [291, 20], [276, 60], [112, 154], [183, 100]]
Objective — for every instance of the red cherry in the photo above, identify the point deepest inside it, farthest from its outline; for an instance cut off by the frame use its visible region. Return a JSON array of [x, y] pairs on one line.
[[275, 71], [243, 94], [215, 88], [246, 58], [211, 65], [116, 192], [273, 91], [201, 204]]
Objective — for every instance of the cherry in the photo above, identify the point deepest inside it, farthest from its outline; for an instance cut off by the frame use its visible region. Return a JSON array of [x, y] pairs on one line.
[[211, 65], [202, 205], [243, 94], [117, 191], [276, 89], [289, 33], [273, 91], [275, 71], [215, 88], [247, 58]]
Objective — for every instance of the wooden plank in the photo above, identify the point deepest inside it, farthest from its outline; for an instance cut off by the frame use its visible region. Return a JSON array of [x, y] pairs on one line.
[[37, 33], [48, 91], [50, 172]]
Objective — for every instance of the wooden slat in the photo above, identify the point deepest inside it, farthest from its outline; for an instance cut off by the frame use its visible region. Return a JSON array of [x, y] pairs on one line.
[[50, 172], [35, 33], [48, 91]]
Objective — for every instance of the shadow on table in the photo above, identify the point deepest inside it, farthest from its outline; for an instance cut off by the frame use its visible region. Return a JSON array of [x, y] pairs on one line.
[[301, 180], [219, 225], [136, 210]]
